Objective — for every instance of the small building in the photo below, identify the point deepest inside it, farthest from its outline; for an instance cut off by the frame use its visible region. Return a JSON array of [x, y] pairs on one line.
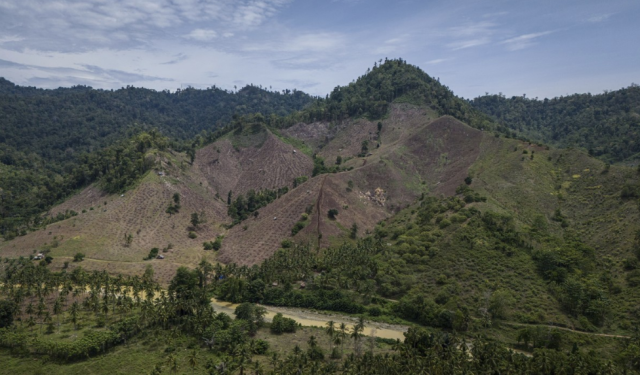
[[160, 256]]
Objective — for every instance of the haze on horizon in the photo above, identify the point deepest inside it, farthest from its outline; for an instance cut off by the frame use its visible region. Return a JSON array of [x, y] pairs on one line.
[[538, 48]]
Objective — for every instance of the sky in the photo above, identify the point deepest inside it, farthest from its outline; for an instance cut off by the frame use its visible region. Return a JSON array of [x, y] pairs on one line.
[[540, 48]]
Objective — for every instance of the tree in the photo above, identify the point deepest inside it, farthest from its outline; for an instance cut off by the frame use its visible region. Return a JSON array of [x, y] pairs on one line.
[[176, 199], [191, 152], [184, 284], [79, 257], [343, 336], [193, 360], [7, 311], [364, 148], [499, 304], [57, 309], [251, 313], [338, 160], [195, 220], [354, 231], [172, 363], [75, 310], [128, 238], [332, 213], [331, 331]]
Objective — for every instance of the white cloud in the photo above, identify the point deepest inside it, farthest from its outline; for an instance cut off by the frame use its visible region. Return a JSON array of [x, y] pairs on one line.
[[201, 35], [78, 25], [8, 39], [472, 34], [523, 41], [600, 18], [436, 61], [462, 44], [310, 42]]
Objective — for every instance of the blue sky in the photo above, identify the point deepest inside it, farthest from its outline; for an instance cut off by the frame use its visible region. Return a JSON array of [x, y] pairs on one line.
[[540, 48]]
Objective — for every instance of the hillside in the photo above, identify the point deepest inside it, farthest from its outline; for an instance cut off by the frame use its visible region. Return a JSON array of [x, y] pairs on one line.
[[52, 140], [104, 220], [391, 200], [606, 125]]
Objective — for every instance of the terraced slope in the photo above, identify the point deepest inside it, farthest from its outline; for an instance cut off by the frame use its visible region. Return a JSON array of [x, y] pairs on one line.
[[423, 155], [264, 162], [103, 221]]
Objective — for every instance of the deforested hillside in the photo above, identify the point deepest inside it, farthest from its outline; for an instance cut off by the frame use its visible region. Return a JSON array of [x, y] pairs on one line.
[[116, 232], [51, 140], [409, 155], [236, 164]]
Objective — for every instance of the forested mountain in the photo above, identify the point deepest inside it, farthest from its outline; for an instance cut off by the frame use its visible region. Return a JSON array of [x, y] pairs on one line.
[[390, 81], [607, 125], [59, 125]]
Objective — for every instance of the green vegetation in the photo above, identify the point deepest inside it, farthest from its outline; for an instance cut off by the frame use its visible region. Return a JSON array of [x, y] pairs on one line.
[[240, 208], [213, 245], [392, 80], [281, 324], [174, 207], [320, 168], [153, 253], [523, 242], [606, 125]]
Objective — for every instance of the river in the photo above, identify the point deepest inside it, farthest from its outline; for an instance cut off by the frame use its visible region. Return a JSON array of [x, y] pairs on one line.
[[312, 318]]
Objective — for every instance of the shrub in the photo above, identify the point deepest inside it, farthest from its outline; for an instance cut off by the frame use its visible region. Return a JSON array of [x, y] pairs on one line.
[[153, 253], [297, 227], [375, 311], [260, 347], [332, 213], [192, 234], [633, 278], [79, 257], [280, 324], [444, 223]]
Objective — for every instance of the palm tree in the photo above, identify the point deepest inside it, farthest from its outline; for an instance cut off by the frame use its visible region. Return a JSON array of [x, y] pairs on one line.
[[172, 363], [57, 310], [330, 330], [343, 336], [193, 360], [75, 309]]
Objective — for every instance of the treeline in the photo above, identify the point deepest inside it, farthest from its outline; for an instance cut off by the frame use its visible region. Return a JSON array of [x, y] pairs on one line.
[[607, 125], [60, 125]]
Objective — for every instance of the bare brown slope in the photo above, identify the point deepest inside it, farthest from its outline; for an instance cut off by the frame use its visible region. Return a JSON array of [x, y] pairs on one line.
[[431, 156], [100, 231], [270, 165]]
